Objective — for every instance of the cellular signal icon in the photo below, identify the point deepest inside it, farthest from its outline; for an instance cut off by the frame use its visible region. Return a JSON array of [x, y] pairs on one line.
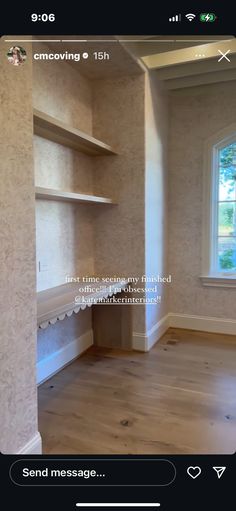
[[177, 17]]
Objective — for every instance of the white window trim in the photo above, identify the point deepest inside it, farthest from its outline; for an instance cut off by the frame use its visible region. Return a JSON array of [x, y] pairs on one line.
[[210, 221]]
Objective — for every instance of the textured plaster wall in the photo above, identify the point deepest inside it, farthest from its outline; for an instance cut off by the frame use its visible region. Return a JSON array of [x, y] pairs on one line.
[[156, 183], [64, 230], [118, 118], [57, 336], [18, 417], [61, 91], [195, 114]]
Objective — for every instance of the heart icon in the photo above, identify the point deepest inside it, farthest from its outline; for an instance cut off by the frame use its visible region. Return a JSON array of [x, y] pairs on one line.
[[194, 472]]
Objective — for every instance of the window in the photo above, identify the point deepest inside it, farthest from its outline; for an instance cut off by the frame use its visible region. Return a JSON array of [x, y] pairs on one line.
[[219, 221], [226, 209]]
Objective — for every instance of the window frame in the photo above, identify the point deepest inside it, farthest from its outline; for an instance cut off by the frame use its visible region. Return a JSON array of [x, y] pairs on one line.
[[210, 274]]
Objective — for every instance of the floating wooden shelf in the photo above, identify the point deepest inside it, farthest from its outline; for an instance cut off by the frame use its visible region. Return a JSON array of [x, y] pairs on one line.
[[59, 195], [56, 303], [48, 127]]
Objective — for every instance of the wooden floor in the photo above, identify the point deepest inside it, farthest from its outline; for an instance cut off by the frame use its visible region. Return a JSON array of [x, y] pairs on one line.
[[178, 398]]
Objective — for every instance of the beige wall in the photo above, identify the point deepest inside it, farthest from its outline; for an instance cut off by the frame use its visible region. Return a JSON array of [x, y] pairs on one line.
[[156, 183], [18, 417], [61, 91], [195, 114], [64, 231], [57, 336], [118, 118]]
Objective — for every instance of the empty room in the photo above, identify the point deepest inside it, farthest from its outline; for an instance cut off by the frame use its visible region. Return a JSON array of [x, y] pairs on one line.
[[118, 245]]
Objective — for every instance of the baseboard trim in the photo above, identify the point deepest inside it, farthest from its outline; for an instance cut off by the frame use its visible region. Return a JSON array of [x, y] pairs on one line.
[[144, 342], [203, 323], [34, 446], [56, 361]]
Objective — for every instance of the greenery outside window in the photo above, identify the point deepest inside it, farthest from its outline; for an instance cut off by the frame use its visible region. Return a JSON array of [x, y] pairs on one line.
[[219, 221], [226, 214]]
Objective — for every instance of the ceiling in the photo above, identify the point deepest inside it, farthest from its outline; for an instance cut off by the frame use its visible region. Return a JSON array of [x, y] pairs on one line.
[[179, 61], [187, 61], [141, 46]]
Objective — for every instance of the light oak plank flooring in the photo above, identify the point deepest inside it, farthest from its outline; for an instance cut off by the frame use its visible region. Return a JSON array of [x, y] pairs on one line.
[[178, 398]]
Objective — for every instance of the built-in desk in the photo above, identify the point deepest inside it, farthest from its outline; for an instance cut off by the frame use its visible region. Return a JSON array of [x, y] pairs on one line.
[[56, 303]]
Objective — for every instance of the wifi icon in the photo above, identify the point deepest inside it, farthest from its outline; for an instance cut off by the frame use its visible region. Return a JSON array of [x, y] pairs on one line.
[[190, 17]]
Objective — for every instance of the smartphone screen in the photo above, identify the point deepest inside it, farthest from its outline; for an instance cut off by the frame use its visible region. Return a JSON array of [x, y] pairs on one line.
[[118, 259]]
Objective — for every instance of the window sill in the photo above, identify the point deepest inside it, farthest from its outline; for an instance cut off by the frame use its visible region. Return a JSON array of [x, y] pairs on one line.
[[219, 280]]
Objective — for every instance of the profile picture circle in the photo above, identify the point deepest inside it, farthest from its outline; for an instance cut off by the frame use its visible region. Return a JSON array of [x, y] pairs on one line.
[[16, 55]]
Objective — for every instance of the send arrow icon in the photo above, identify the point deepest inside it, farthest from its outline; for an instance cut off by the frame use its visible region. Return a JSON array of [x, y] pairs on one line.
[[219, 471]]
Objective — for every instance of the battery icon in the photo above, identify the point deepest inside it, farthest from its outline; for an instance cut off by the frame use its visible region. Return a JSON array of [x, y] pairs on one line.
[[207, 17]]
